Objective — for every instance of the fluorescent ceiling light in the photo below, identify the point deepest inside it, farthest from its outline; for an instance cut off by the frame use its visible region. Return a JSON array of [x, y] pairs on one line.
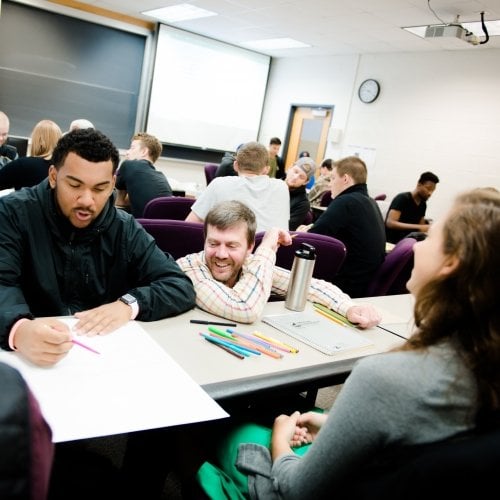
[[177, 13], [275, 43], [493, 28]]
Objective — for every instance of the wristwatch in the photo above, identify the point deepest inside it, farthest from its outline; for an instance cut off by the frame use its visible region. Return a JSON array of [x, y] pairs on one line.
[[128, 299], [131, 301]]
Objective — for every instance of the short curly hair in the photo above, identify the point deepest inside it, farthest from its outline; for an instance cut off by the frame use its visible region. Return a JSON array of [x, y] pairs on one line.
[[89, 144]]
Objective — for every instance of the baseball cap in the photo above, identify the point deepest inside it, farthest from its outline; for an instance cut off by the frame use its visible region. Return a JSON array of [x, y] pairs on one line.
[[307, 165]]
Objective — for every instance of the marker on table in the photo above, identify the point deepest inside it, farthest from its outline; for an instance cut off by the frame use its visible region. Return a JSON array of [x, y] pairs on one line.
[[220, 332], [330, 317], [225, 348], [276, 343], [238, 349], [328, 311], [256, 344], [77, 342], [204, 322]]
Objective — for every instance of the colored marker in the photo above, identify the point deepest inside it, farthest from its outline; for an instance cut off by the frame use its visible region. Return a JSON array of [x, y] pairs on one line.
[[225, 348], [204, 322], [256, 344], [331, 318], [77, 342], [276, 343], [238, 349], [220, 332]]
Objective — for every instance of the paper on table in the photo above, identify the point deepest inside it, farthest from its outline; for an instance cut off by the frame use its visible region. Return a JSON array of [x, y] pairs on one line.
[[133, 384], [316, 331]]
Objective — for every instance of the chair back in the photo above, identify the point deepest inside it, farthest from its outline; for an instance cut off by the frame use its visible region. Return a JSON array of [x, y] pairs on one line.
[[210, 169], [452, 468], [25, 440], [326, 199], [394, 272], [168, 207], [330, 253], [380, 197], [177, 237]]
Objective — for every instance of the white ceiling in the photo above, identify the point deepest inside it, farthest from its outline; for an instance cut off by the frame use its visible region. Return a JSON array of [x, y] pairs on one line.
[[332, 27]]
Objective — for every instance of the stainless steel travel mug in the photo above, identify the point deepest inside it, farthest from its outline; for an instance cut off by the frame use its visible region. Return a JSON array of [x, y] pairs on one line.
[[300, 277]]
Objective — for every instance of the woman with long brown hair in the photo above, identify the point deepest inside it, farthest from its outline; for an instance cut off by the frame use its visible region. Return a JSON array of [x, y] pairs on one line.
[[444, 382]]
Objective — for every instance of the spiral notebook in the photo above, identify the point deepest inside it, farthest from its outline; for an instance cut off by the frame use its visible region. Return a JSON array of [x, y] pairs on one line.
[[317, 332]]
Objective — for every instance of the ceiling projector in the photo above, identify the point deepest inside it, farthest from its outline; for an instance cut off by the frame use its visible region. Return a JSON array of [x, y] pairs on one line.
[[454, 31]]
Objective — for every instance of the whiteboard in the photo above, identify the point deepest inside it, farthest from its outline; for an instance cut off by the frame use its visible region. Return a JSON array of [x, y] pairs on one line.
[[205, 93]]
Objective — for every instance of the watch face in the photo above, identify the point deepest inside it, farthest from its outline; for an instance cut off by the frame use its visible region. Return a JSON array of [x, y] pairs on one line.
[[369, 90], [128, 299]]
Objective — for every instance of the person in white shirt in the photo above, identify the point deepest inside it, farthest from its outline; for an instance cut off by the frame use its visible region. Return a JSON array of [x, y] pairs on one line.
[[268, 198]]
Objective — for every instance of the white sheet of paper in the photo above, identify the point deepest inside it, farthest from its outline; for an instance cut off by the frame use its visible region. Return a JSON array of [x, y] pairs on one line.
[[131, 385]]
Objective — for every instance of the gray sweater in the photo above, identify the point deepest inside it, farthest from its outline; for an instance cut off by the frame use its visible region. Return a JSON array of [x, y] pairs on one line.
[[400, 398]]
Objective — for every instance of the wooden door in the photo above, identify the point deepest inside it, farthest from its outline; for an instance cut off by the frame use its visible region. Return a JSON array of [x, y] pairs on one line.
[[308, 131]]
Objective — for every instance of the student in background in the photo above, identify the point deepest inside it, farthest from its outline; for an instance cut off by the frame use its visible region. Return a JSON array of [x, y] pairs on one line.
[[446, 376], [297, 177], [80, 123], [267, 197], [355, 219], [226, 165], [406, 213], [322, 183], [137, 179], [276, 165], [232, 282], [28, 171], [7, 152], [66, 250]]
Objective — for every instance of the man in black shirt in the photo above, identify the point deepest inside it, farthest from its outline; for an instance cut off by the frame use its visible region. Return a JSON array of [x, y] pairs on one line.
[[406, 212], [137, 179]]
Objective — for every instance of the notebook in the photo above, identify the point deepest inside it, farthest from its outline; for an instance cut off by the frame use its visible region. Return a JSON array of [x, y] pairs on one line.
[[317, 332]]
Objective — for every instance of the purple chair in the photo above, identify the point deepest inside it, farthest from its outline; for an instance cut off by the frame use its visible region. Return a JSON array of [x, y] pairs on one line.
[[210, 169], [380, 197], [168, 207], [395, 271], [25, 440], [177, 237], [330, 253]]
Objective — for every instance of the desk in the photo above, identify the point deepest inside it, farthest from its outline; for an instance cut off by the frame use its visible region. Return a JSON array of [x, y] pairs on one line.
[[226, 377]]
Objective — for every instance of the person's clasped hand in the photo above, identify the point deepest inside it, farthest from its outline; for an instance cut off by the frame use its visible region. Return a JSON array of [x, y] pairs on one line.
[[103, 319]]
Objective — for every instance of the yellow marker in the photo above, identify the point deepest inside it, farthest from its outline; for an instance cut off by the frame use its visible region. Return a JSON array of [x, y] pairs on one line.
[[331, 318], [276, 343]]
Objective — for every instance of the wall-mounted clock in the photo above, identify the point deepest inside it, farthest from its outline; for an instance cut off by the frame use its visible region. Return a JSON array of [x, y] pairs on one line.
[[369, 90]]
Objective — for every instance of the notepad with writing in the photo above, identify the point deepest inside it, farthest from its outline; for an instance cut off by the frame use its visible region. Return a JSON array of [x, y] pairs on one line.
[[317, 331]]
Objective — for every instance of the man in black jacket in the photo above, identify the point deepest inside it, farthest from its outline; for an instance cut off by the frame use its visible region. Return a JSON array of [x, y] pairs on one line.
[[66, 250], [355, 219]]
